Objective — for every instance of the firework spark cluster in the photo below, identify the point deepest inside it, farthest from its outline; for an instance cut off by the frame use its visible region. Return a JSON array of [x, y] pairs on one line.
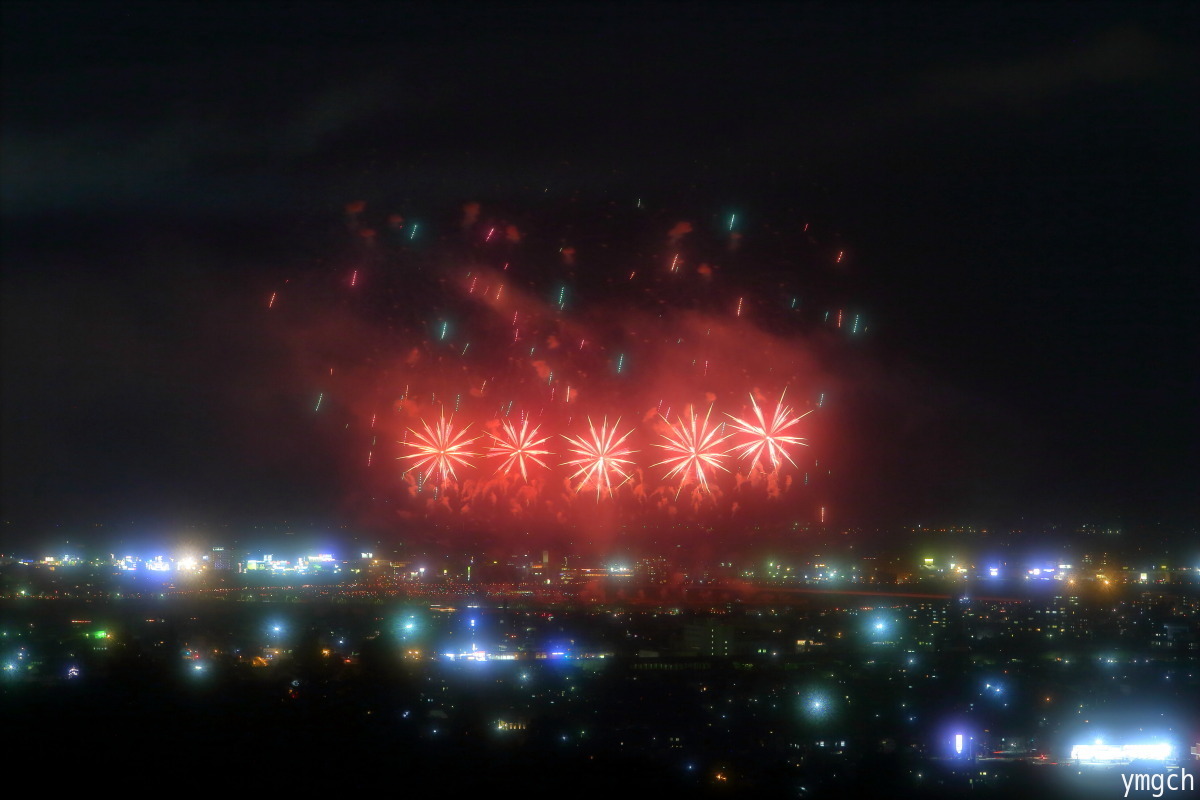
[[497, 370]]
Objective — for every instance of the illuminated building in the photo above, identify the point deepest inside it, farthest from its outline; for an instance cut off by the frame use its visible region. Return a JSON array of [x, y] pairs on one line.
[[222, 558], [708, 637]]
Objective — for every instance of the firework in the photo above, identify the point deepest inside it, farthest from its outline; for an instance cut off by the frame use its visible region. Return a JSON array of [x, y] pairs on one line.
[[694, 448], [769, 434], [602, 455], [519, 447], [497, 345], [440, 449]]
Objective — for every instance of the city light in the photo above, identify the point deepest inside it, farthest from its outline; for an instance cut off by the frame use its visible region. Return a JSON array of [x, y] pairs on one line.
[[880, 630], [817, 705], [1100, 753]]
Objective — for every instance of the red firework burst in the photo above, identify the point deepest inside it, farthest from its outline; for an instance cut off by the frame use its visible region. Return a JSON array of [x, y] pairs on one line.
[[440, 449], [694, 450], [518, 446], [769, 434], [601, 456]]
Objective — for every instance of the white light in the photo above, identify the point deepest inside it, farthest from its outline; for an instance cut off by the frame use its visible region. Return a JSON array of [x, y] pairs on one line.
[[958, 742], [1148, 752], [1100, 752], [1095, 752]]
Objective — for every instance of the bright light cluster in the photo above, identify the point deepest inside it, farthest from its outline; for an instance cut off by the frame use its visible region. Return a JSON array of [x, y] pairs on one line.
[[1109, 753]]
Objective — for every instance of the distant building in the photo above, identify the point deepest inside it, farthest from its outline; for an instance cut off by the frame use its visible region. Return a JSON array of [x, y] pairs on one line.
[[708, 637], [223, 558]]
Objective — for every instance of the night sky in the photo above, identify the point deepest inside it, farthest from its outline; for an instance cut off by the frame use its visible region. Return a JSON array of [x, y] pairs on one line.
[[1015, 185]]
